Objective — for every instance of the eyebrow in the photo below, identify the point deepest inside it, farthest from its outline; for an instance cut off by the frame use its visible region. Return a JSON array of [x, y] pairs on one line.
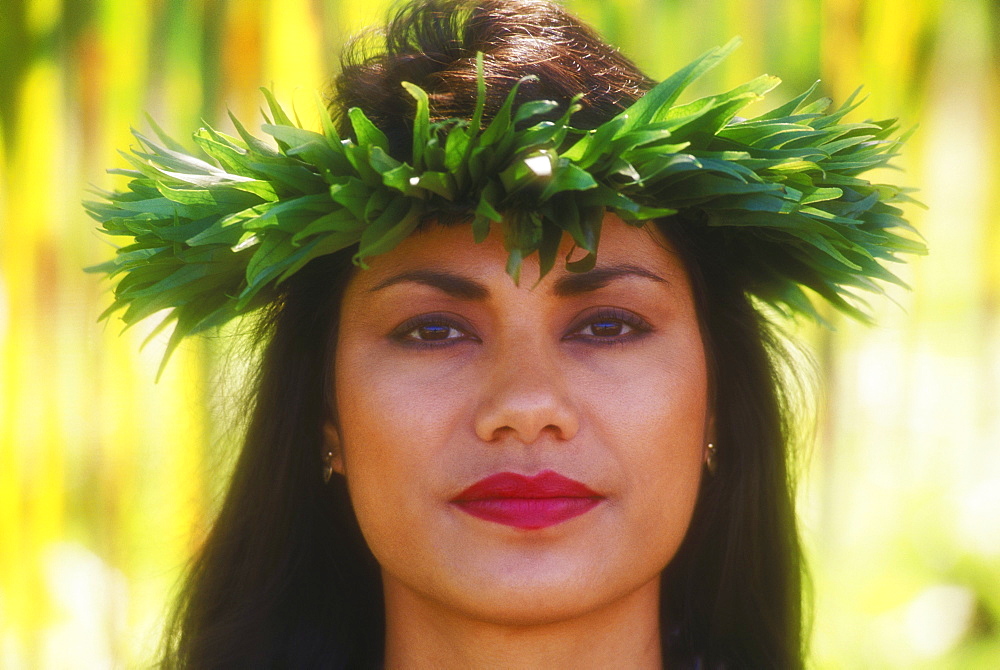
[[585, 282], [453, 284], [568, 285]]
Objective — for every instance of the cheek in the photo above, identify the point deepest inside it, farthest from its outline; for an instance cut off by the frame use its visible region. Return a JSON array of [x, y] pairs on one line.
[[657, 403], [394, 424], [391, 411], [657, 416]]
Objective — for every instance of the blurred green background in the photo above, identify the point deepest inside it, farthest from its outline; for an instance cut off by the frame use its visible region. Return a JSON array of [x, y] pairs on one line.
[[108, 480]]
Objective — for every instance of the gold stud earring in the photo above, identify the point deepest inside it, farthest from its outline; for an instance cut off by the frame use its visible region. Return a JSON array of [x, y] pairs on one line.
[[327, 466], [710, 459]]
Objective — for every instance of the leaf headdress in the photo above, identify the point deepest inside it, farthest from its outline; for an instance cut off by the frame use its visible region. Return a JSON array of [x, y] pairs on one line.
[[213, 237]]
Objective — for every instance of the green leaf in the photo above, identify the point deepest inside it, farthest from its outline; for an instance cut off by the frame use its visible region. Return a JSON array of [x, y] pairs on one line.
[[329, 130], [267, 262], [791, 107], [456, 146], [569, 177], [352, 194], [476, 123], [421, 123], [221, 199], [548, 249], [365, 130], [311, 147], [340, 223], [822, 195], [534, 108], [501, 123], [254, 144], [398, 220], [168, 142], [277, 113], [441, 183], [291, 177], [485, 213], [320, 246], [796, 166], [382, 162], [595, 143], [515, 257], [402, 178], [585, 264], [666, 92]]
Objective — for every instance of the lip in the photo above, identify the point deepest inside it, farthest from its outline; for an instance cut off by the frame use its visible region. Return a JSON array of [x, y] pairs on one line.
[[527, 502]]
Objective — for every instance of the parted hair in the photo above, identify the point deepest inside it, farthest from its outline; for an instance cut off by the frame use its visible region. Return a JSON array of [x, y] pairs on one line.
[[284, 577]]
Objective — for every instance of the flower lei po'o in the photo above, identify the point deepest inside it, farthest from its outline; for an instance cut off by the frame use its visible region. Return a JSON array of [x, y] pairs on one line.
[[213, 239]]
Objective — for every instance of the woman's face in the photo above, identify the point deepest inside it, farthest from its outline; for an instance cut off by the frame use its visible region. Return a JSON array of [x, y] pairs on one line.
[[521, 453]]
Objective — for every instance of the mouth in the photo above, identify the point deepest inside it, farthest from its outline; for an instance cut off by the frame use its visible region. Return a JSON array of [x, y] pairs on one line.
[[528, 503]]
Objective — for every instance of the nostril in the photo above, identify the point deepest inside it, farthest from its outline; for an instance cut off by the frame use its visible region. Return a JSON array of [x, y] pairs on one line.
[[526, 418], [525, 395]]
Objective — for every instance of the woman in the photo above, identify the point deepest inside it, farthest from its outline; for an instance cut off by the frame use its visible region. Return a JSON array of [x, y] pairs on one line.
[[464, 453]]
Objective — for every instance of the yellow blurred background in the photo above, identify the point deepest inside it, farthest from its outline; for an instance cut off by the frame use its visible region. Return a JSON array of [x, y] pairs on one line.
[[108, 480]]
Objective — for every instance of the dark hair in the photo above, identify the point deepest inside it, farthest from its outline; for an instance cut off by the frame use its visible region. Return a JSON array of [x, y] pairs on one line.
[[285, 578]]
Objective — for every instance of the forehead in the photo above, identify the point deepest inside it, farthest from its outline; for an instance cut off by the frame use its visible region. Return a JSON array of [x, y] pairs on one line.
[[452, 248]]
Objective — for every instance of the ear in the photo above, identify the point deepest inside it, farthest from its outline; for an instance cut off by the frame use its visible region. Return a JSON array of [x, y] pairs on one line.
[[332, 445]]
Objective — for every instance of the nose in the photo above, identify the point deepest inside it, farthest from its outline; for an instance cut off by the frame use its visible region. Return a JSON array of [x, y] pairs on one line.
[[526, 395]]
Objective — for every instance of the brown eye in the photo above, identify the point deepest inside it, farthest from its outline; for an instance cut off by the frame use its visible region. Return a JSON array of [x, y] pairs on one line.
[[607, 328], [434, 332], [609, 325]]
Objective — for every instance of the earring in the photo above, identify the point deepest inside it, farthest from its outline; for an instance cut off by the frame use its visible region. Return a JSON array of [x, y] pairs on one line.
[[710, 459], [327, 466]]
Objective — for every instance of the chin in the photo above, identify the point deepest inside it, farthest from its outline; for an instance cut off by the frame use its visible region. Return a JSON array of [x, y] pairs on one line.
[[535, 592]]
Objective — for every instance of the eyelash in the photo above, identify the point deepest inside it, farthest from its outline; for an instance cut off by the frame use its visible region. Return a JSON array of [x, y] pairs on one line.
[[402, 332], [637, 325]]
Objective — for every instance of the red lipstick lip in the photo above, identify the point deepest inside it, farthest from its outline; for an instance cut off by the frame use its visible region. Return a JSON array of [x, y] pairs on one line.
[[527, 502]]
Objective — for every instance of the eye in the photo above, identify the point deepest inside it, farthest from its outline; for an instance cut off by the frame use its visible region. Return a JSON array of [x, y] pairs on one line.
[[609, 325], [431, 329], [606, 328], [434, 332]]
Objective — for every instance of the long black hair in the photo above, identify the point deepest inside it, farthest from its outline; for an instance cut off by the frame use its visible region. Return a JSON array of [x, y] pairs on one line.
[[285, 579]]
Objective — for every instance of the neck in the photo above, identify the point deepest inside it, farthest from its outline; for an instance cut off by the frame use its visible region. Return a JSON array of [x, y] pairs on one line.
[[421, 633]]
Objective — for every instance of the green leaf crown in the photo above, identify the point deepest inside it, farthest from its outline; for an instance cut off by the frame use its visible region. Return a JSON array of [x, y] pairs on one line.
[[213, 239]]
